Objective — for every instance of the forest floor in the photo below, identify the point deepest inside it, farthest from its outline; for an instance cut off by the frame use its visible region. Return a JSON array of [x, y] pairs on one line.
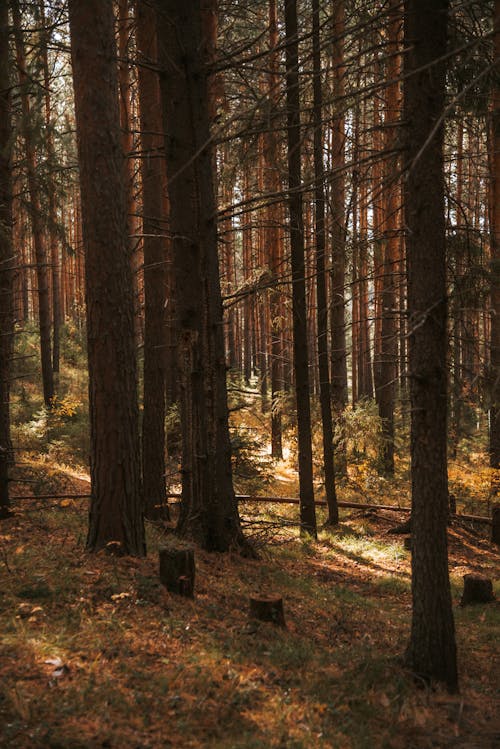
[[95, 653]]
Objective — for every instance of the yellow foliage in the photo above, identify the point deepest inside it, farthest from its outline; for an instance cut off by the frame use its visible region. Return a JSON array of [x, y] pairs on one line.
[[65, 407]]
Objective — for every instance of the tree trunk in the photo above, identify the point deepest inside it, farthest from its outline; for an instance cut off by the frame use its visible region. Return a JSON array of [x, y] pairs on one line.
[[6, 260], [388, 335], [272, 184], [124, 84], [116, 519], [155, 267], [494, 446], [338, 348], [36, 216], [431, 651], [321, 293], [299, 307], [209, 512], [55, 271]]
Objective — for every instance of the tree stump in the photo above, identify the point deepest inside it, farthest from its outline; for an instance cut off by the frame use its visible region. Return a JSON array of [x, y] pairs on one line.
[[177, 570], [267, 609], [452, 503], [495, 525], [402, 528], [477, 589]]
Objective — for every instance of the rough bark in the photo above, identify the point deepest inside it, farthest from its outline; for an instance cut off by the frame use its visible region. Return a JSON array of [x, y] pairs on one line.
[[431, 651], [321, 292], [386, 391], [299, 307], [177, 570], [55, 270], [116, 519], [209, 512], [155, 266], [272, 184], [338, 353], [124, 86], [494, 443], [6, 260]]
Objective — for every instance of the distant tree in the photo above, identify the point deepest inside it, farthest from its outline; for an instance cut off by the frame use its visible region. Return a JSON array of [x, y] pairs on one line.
[[35, 209], [51, 187], [431, 651], [6, 259], [116, 518], [209, 512]]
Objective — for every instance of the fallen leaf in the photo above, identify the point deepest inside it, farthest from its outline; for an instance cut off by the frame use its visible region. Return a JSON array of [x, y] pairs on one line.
[[56, 662]]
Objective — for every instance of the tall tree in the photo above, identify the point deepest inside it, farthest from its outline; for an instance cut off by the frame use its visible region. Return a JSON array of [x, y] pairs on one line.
[[36, 216], [272, 181], [386, 389], [299, 307], [209, 512], [338, 348], [321, 289], [155, 265], [494, 445], [6, 259], [125, 25], [55, 270], [116, 519], [431, 651]]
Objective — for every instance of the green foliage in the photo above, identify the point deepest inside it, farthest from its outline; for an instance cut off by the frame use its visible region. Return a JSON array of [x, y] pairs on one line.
[[60, 432], [359, 432], [251, 467]]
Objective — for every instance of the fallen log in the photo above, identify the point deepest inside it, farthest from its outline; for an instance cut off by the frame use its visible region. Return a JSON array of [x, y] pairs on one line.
[[175, 497]]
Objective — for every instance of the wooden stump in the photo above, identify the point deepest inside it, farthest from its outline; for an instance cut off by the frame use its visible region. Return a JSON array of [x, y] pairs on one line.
[[477, 589], [177, 570], [452, 503], [402, 528], [495, 525], [267, 609]]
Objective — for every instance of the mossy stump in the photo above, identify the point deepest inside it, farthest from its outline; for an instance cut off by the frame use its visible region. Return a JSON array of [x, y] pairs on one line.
[[177, 570], [477, 589], [267, 609]]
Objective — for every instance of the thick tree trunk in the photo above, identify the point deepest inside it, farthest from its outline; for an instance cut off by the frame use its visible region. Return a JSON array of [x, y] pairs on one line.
[[155, 266], [299, 307], [116, 519], [6, 260], [209, 512], [321, 293], [36, 216], [124, 86], [431, 651]]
